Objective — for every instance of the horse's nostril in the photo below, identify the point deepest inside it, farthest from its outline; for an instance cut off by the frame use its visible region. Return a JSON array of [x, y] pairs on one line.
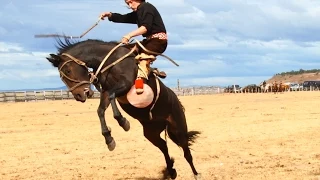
[[78, 96]]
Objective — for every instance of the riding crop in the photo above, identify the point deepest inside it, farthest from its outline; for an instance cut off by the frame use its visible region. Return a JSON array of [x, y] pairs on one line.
[[71, 37]]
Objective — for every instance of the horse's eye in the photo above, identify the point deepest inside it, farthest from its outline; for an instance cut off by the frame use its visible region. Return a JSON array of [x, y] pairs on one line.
[[68, 71]]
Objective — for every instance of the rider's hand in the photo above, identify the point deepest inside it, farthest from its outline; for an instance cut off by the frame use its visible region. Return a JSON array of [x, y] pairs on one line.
[[125, 39], [105, 14]]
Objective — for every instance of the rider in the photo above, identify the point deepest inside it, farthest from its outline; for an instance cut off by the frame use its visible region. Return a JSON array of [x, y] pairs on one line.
[[151, 27]]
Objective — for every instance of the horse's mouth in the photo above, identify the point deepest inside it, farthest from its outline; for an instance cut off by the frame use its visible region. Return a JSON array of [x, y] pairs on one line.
[[82, 95], [81, 98], [88, 92]]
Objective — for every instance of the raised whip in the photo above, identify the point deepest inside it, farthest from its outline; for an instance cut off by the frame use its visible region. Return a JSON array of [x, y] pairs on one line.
[[64, 36]]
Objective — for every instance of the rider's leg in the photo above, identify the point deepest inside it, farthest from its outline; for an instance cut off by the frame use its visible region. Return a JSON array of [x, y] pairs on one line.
[[158, 46], [144, 70]]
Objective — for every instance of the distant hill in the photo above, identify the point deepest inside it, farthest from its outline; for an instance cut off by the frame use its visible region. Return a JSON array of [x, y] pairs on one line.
[[296, 76]]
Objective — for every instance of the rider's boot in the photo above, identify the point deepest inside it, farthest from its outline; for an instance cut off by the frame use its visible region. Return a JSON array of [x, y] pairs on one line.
[[160, 74]]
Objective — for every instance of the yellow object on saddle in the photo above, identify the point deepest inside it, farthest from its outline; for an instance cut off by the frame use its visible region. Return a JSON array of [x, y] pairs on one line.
[[143, 56], [143, 72], [144, 61]]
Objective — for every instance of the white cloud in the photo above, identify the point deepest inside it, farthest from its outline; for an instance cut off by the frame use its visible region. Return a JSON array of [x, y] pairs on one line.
[[6, 47], [200, 44], [23, 59], [195, 18], [28, 74], [197, 67], [18, 65]]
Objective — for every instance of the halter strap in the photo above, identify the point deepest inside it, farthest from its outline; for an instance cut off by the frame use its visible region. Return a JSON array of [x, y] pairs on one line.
[[63, 75]]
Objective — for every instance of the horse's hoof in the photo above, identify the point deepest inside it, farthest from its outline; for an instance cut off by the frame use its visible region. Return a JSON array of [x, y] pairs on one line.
[[126, 125], [197, 177], [112, 145], [173, 174]]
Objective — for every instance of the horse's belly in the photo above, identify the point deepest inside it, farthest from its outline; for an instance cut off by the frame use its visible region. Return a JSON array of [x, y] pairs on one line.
[[137, 113], [123, 100], [143, 114]]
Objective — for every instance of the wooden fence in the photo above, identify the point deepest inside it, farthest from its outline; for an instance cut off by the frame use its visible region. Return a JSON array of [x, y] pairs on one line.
[[25, 96]]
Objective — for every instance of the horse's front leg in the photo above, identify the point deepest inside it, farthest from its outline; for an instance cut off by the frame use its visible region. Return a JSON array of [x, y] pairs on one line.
[[123, 122], [106, 132]]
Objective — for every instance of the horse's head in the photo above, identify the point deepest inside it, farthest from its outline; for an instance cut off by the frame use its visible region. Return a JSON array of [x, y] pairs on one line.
[[74, 73]]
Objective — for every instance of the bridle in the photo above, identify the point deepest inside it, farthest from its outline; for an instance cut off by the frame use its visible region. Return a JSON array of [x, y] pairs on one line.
[[93, 76], [63, 76]]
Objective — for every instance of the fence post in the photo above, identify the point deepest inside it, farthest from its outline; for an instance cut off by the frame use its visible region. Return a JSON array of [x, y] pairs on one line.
[[2, 96], [14, 96]]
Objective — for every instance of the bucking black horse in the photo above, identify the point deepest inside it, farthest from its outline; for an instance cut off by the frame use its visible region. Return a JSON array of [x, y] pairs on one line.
[[164, 113]]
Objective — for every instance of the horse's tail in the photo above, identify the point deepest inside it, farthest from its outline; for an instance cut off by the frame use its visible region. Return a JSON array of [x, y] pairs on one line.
[[192, 135], [178, 116]]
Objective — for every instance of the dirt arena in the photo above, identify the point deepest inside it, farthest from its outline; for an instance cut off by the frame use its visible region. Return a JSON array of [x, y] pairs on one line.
[[244, 136]]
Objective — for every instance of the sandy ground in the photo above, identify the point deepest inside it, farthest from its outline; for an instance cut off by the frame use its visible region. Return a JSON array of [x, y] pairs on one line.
[[244, 136]]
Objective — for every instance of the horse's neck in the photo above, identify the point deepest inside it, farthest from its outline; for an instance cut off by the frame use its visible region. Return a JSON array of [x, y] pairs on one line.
[[95, 55]]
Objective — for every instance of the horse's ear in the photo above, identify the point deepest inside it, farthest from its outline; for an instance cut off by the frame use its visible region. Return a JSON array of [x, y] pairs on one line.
[[54, 59]]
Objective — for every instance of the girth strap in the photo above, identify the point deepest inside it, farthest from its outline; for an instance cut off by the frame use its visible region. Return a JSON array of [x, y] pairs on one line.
[[157, 97]]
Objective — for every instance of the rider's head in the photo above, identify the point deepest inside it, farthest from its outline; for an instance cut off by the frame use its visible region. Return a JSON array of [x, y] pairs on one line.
[[133, 4]]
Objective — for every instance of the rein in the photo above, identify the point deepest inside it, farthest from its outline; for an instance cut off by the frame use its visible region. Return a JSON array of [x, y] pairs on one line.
[[152, 52]]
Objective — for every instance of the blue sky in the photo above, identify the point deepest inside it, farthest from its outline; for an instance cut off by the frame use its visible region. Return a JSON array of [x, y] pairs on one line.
[[215, 42]]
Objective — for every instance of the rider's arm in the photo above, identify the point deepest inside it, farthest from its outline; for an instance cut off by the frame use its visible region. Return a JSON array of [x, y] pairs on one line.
[[123, 18], [140, 31]]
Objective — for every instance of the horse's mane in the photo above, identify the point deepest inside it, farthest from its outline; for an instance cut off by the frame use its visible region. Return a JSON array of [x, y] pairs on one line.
[[65, 44]]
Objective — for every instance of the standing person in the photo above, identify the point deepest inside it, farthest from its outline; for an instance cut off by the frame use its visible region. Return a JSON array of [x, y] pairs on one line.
[[151, 27]]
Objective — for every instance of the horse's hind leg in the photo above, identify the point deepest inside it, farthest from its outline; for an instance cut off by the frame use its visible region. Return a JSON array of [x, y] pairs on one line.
[[187, 153], [151, 131], [183, 138], [178, 131]]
